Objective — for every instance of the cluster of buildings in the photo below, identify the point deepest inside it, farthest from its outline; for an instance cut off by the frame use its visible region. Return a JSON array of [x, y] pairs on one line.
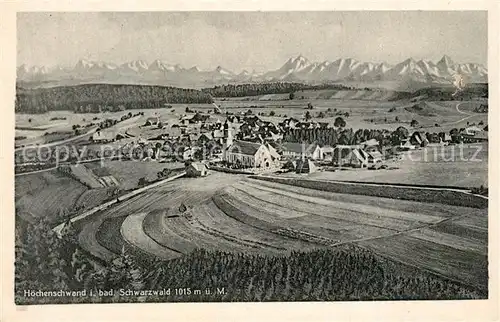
[[248, 142]]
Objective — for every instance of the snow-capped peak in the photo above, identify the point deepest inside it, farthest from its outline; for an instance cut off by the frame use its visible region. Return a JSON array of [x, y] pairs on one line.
[[446, 61], [223, 71], [136, 65], [195, 69]]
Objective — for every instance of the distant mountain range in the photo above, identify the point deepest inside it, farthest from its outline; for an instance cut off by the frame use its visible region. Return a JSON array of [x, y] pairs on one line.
[[298, 69]]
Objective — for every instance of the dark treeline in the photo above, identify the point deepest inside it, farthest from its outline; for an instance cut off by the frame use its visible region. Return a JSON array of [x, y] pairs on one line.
[[44, 262], [445, 93], [265, 88], [99, 97]]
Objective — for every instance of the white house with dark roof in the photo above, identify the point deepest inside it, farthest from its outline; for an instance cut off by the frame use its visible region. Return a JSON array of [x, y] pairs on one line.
[[196, 169], [301, 150], [249, 154]]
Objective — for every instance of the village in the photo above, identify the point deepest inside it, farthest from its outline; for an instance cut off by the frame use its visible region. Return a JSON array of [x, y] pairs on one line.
[[246, 143]]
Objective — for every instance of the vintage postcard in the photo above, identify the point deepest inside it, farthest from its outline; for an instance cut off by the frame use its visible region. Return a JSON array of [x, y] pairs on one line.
[[251, 156]]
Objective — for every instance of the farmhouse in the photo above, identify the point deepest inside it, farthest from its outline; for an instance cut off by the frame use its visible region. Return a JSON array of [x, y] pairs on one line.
[[350, 155], [301, 150], [205, 138], [374, 157], [477, 137], [471, 130], [186, 153], [327, 152], [196, 169], [103, 137], [273, 151], [289, 123], [249, 155], [370, 143]]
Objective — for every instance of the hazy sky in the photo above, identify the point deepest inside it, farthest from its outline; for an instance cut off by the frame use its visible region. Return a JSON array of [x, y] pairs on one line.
[[250, 40]]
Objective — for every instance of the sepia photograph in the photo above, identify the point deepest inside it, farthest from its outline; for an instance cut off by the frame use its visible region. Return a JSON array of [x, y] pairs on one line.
[[251, 156]]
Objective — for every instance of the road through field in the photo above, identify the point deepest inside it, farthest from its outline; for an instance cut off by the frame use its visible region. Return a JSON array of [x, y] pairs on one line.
[[74, 138], [461, 112]]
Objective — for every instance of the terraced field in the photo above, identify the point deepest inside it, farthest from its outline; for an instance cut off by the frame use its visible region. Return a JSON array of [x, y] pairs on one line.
[[239, 214]]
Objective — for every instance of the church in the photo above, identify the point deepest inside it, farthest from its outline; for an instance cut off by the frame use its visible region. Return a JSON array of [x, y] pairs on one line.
[[244, 153]]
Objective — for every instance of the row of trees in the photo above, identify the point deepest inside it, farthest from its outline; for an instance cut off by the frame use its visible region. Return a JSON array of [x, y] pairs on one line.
[[92, 98], [255, 89], [332, 136], [43, 262]]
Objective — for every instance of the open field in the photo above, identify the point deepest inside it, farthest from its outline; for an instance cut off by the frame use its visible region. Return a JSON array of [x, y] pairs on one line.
[[367, 109], [51, 195], [454, 165], [237, 214], [46, 194], [127, 173]]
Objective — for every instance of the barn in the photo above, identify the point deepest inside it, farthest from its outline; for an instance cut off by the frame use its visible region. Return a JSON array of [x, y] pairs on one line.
[[196, 169]]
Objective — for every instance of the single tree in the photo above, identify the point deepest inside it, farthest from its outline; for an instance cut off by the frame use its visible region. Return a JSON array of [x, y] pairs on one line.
[[414, 123], [308, 116], [339, 122]]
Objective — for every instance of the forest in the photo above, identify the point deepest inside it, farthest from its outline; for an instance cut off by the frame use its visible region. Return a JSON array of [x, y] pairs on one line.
[[338, 274], [266, 88], [445, 93], [92, 98]]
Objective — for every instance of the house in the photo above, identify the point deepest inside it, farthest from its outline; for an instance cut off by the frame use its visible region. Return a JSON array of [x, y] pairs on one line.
[[218, 134], [374, 157], [152, 121], [186, 153], [418, 139], [301, 150], [205, 138], [120, 136], [273, 151], [305, 166], [406, 145], [350, 155], [289, 123], [327, 152], [196, 169], [249, 155], [471, 130], [103, 137], [446, 138], [369, 143], [477, 137]]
